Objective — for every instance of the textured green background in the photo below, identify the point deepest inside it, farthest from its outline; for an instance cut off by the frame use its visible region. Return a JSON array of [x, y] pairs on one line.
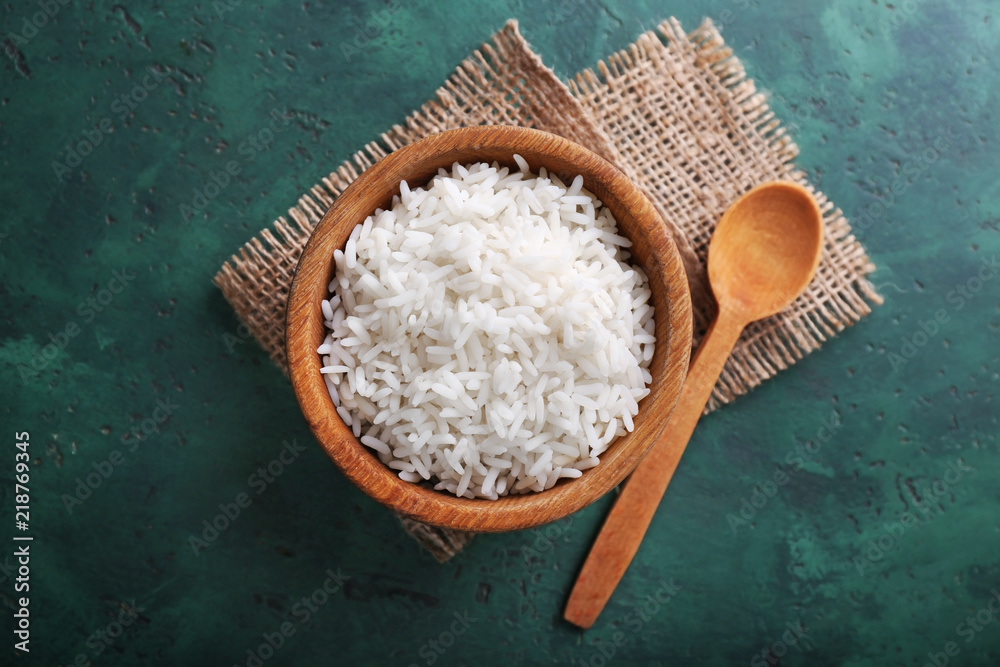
[[867, 87]]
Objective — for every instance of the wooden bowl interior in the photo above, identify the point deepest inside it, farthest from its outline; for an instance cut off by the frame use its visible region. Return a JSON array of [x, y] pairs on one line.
[[652, 250]]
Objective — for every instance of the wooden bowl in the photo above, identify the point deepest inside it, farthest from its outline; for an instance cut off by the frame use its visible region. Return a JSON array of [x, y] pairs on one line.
[[417, 163]]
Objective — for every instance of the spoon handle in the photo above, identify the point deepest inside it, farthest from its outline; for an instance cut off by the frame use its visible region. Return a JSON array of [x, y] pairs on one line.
[[633, 511]]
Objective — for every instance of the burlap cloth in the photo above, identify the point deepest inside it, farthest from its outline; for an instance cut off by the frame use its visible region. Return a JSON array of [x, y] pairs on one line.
[[677, 114]]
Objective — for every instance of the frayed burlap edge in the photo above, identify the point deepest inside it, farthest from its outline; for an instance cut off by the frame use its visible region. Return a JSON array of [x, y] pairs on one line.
[[441, 542], [666, 149]]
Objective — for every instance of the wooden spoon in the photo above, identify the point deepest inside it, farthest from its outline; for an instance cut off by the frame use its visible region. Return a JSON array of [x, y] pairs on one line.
[[763, 254]]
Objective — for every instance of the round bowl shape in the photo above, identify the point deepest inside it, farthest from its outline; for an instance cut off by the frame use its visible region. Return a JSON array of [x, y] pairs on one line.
[[417, 163]]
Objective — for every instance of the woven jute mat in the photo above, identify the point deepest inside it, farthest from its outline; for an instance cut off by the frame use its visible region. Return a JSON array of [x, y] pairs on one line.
[[678, 115]]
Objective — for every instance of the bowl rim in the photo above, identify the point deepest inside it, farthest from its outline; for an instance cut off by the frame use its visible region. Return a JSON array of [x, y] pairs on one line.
[[362, 466]]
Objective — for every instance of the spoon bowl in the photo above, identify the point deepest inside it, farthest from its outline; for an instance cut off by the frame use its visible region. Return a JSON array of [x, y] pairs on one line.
[[765, 249]]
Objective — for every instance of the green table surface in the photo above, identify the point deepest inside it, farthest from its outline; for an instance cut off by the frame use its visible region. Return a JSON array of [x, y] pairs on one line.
[[881, 547]]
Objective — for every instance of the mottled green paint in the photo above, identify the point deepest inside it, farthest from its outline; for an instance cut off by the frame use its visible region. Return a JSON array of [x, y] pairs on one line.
[[864, 104]]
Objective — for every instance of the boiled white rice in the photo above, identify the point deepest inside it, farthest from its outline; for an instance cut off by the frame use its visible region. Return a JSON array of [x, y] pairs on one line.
[[487, 332]]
